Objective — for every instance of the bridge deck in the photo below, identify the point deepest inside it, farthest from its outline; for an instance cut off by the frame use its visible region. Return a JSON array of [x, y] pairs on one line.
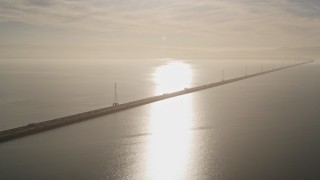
[[33, 128]]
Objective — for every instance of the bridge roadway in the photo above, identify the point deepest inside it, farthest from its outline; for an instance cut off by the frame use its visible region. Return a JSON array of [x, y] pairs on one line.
[[33, 128]]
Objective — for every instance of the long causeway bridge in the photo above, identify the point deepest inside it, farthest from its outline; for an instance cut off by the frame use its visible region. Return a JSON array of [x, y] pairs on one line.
[[33, 128]]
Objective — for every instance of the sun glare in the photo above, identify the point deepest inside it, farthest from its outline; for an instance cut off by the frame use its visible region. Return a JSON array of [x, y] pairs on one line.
[[173, 76], [170, 123]]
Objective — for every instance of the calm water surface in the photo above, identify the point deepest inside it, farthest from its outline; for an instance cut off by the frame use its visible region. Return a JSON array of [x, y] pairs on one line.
[[266, 127]]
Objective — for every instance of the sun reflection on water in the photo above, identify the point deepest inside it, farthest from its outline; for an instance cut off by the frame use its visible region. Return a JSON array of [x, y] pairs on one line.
[[170, 122], [173, 76]]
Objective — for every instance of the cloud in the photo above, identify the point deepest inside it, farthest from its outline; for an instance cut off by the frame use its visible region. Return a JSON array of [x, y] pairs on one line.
[[219, 22]]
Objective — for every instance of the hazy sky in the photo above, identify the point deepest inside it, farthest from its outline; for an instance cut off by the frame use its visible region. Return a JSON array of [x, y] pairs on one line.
[[127, 27]]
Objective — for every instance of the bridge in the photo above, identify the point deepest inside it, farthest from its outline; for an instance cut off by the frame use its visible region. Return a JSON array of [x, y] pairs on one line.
[[33, 128]]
